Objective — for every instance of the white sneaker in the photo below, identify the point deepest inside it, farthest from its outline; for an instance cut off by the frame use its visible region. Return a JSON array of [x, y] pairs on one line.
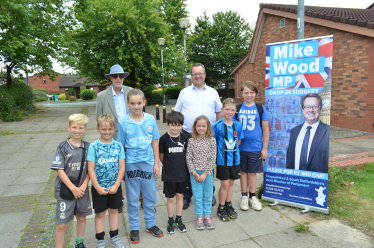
[[244, 204], [256, 205]]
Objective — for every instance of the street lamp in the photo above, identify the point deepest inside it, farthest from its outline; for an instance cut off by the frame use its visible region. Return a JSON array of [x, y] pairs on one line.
[[161, 42], [184, 22]]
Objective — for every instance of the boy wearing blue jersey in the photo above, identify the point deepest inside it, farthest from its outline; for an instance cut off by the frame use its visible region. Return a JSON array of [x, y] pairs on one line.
[[106, 166], [253, 149], [228, 134], [139, 134]]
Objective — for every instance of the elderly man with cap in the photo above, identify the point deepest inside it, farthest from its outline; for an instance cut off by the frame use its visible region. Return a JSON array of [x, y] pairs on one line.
[[113, 100]]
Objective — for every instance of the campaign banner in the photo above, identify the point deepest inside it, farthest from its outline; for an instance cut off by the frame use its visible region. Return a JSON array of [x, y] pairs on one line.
[[295, 69]]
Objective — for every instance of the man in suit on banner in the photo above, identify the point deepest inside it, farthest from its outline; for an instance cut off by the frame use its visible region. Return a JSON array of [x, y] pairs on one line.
[[113, 100], [309, 142]]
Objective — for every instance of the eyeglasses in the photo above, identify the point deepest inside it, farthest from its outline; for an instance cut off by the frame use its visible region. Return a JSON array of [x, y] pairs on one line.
[[311, 107], [197, 74], [115, 76]]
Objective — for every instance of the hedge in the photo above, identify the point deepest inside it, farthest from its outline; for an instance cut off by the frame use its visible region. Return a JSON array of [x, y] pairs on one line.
[[39, 96], [154, 97], [173, 92], [88, 94]]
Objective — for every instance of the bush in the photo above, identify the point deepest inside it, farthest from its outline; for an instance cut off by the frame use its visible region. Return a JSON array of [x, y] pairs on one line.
[[88, 94], [70, 92], [154, 97], [173, 92], [55, 94], [36, 89], [72, 98], [62, 97], [40, 96]]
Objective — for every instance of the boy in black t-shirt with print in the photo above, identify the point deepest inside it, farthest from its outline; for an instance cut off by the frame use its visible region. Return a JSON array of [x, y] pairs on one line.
[[175, 176]]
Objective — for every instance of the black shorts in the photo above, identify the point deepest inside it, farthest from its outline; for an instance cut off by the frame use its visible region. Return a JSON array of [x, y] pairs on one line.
[[171, 189], [225, 172], [251, 162], [103, 202]]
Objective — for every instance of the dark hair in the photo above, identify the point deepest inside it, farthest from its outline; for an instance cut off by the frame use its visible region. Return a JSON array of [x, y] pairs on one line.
[[250, 85], [175, 118], [319, 98], [197, 65]]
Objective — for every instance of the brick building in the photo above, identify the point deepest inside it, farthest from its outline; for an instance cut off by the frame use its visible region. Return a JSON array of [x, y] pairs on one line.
[[76, 83], [45, 83], [352, 89]]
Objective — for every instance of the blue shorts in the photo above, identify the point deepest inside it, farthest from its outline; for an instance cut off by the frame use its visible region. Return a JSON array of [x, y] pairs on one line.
[[251, 162]]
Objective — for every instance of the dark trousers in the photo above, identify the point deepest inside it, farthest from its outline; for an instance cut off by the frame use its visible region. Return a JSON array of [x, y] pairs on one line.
[[189, 194]]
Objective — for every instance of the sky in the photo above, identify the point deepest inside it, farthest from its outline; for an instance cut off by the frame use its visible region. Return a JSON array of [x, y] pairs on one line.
[[247, 9]]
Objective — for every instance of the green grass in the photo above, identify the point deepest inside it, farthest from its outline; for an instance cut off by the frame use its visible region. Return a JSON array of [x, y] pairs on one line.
[[352, 203], [299, 227]]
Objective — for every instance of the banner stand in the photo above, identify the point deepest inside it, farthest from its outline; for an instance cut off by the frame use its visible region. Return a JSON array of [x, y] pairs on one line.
[[305, 208]]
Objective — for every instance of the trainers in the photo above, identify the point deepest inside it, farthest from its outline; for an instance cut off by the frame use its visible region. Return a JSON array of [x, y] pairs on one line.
[[244, 204], [256, 205], [181, 226], [199, 223], [171, 226], [221, 212], [134, 236], [116, 242], [100, 244], [155, 231], [231, 212], [80, 245], [209, 223]]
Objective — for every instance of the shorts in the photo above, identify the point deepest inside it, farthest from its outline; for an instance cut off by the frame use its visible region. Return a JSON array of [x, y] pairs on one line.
[[66, 209], [103, 202], [251, 162], [171, 189], [225, 172]]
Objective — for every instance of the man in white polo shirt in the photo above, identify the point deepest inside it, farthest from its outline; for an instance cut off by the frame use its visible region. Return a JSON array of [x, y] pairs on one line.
[[193, 101]]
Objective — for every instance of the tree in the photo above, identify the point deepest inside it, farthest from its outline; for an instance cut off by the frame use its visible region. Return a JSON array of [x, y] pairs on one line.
[[30, 32], [124, 32], [220, 45]]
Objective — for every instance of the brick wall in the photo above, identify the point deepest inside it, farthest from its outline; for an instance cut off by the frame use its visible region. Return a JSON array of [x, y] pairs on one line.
[[352, 100], [49, 85]]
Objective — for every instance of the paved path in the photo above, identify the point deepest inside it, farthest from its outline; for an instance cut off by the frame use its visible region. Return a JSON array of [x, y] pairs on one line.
[[27, 206]]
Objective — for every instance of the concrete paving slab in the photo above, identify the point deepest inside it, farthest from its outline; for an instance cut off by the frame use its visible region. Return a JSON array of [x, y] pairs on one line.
[[225, 233], [11, 226], [241, 244], [8, 176], [27, 179], [263, 222], [289, 239], [28, 189], [336, 234]]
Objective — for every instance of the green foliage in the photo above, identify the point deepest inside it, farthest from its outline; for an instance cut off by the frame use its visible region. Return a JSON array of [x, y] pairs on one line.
[[70, 92], [154, 97], [55, 94], [88, 94], [62, 97], [125, 32], [36, 89], [220, 44], [16, 101], [40, 96], [72, 98], [299, 227], [173, 92], [31, 34]]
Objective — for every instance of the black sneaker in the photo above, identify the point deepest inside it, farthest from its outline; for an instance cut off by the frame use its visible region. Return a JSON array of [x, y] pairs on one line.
[[171, 226], [186, 203], [80, 245], [221, 212], [134, 236], [214, 201], [231, 212], [155, 231], [181, 226]]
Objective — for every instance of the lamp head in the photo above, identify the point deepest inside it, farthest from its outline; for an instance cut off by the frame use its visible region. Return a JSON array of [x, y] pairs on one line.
[[183, 23], [161, 41]]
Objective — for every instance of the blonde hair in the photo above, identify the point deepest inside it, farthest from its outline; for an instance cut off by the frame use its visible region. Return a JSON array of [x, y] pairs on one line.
[[135, 92], [250, 85], [209, 132], [105, 118], [228, 101], [80, 119]]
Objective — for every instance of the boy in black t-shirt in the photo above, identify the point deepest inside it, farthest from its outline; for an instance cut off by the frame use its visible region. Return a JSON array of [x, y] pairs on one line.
[[173, 145]]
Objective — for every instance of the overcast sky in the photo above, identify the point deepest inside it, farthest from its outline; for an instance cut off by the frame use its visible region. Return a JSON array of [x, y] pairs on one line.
[[248, 9]]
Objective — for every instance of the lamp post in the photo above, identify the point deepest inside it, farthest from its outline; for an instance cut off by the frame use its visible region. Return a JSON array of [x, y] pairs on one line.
[[183, 23], [161, 42]]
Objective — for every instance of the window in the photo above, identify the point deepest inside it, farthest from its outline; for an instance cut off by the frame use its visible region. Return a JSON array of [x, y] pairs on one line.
[[44, 81], [282, 23]]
